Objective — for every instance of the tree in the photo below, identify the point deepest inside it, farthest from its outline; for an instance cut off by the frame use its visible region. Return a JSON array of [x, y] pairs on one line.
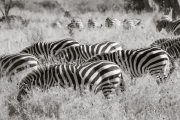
[[5, 6]]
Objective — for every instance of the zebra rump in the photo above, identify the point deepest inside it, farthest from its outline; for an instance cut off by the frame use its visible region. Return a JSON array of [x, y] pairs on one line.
[[10, 64], [96, 76]]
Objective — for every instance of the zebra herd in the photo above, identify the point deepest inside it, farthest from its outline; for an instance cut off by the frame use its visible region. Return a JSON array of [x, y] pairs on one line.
[[97, 67]]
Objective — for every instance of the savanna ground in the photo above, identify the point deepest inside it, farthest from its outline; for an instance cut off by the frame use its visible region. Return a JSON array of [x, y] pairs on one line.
[[143, 101]]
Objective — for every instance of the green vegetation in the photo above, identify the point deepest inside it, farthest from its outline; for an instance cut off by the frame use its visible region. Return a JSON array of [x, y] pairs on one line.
[[143, 101]]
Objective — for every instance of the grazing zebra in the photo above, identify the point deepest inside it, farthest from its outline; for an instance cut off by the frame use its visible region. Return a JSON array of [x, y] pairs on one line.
[[96, 76], [10, 64], [129, 24], [141, 61], [174, 50], [169, 26], [112, 22], [67, 14], [93, 24], [44, 50], [79, 54]]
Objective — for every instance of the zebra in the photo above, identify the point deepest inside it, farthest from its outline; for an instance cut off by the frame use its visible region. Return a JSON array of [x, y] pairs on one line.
[[45, 50], [129, 24], [112, 22], [169, 26], [169, 43], [174, 50], [79, 54], [138, 62], [13, 63], [67, 14], [159, 42], [96, 76], [93, 24], [76, 23]]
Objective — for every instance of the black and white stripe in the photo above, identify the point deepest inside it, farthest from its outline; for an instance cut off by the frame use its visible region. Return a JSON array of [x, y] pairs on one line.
[[45, 50], [10, 64], [138, 62], [96, 76], [169, 43], [131, 23], [174, 50], [93, 24], [112, 22], [76, 23], [79, 54], [169, 26], [159, 42]]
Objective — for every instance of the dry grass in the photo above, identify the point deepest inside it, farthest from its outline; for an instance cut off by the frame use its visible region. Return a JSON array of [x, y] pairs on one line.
[[145, 100]]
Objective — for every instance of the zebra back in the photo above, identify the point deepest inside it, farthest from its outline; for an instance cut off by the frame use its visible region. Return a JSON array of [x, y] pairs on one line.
[[169, 43], [46, 50], [81, 53], [159, 42]]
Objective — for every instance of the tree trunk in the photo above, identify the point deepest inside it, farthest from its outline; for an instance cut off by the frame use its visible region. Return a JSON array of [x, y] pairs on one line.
[[176, 8]]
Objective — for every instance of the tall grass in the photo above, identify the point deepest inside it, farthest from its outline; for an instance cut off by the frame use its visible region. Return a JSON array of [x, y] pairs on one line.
[[145, 100]]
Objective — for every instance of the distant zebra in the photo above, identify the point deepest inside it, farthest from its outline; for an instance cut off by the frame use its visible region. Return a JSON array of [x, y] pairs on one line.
[[45, 50], [67, 14], [112, 22], [79, 54], [174, 50], [76, 23], [96, 76], [10, 64], [169, 26], [129, 24], [93, 24], [138, 62]]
